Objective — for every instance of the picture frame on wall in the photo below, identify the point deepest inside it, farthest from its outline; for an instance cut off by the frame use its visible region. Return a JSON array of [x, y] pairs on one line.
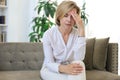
[[2, 2]]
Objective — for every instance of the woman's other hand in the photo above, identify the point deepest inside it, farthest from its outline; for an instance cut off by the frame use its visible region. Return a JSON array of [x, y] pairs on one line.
[[73, 68]]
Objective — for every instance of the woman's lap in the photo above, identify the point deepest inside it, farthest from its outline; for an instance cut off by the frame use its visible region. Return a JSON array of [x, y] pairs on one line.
[[49, 75]]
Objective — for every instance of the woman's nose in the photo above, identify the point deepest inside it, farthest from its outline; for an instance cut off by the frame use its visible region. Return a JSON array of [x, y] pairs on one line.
[[69, 18]]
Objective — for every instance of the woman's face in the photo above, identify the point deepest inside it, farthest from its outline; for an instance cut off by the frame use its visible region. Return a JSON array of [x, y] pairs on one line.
[[67, 20]]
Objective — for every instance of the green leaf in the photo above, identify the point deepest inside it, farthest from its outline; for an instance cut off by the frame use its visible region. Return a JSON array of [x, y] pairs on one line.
[[32, 38], [39, 9], [52, 11], [46, 10]]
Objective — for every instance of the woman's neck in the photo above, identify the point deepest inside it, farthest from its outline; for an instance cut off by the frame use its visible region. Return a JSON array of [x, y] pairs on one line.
[[65, 31]]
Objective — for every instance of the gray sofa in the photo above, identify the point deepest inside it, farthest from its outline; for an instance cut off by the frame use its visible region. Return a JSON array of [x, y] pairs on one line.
[[22, 61]]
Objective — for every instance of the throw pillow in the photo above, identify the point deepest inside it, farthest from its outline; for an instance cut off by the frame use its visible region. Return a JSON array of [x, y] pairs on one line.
[[89, 53], [100, 53]]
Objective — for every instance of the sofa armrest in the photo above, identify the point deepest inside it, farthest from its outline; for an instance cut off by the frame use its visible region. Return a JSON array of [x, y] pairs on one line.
[[112, 58]]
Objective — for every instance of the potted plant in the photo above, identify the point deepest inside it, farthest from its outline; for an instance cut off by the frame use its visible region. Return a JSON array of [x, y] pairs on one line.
[[46, 10], [84, 16]]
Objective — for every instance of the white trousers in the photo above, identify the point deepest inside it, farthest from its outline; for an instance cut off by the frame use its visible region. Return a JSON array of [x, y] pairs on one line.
[[49, 75]]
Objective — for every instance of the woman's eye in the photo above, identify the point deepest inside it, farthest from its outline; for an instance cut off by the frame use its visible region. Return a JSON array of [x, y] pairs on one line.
[[66, 15]]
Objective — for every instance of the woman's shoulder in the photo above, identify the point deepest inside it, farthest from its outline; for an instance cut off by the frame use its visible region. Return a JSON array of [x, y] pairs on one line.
[[49, 34], [51, 30]]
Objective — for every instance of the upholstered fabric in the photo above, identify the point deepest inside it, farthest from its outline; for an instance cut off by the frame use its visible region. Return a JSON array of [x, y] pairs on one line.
[[21, 56], [89, 53], [100, 53], [20, 75], [112, 61], [101, 75]]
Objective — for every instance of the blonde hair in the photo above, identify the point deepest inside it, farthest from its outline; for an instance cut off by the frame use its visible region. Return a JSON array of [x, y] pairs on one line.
[[63, 8]]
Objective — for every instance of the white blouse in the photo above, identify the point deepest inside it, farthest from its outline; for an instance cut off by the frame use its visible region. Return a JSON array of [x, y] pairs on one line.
[[57, 52]]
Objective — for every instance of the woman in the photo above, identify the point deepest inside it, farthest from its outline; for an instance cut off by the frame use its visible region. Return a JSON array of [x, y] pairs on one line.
[[64, 45]]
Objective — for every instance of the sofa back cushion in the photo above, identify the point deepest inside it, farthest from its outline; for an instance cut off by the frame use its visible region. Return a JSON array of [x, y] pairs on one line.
[[21, 56], [89, 53], [100, 53]]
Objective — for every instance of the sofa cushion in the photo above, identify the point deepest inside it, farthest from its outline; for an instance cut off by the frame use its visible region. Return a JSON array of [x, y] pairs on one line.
[[101, 75], [21, 56], [20, 75], [89, 53], [100, 53]]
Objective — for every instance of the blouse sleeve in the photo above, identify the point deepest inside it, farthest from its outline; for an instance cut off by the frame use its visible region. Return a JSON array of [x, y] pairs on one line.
[[79, 48], [49, 61]]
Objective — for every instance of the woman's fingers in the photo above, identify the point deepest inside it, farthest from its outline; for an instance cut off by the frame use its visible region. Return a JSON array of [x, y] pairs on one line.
[[77, 68], [76, 17]]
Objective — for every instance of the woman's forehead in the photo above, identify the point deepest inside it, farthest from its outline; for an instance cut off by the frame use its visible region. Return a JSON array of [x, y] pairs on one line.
[[73, 10]]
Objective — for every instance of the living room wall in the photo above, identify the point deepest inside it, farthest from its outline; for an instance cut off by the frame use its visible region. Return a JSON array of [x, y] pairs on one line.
[[20, 15]]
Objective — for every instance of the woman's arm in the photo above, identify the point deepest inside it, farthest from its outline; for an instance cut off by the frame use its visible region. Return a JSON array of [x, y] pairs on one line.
[[48, 54], [80, 48], [80, 42], [79, 23]]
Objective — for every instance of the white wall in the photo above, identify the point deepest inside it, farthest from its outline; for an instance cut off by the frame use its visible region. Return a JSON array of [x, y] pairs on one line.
[[19, 17]]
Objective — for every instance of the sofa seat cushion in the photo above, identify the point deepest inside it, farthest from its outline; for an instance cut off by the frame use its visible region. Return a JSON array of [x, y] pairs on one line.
[[20, 75], [101, 75]]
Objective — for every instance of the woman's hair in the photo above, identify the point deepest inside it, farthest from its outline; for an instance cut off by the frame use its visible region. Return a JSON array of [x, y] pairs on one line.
[[64, 8]]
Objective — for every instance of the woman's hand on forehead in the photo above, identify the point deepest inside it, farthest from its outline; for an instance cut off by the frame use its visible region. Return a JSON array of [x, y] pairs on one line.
[[73, 11]]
